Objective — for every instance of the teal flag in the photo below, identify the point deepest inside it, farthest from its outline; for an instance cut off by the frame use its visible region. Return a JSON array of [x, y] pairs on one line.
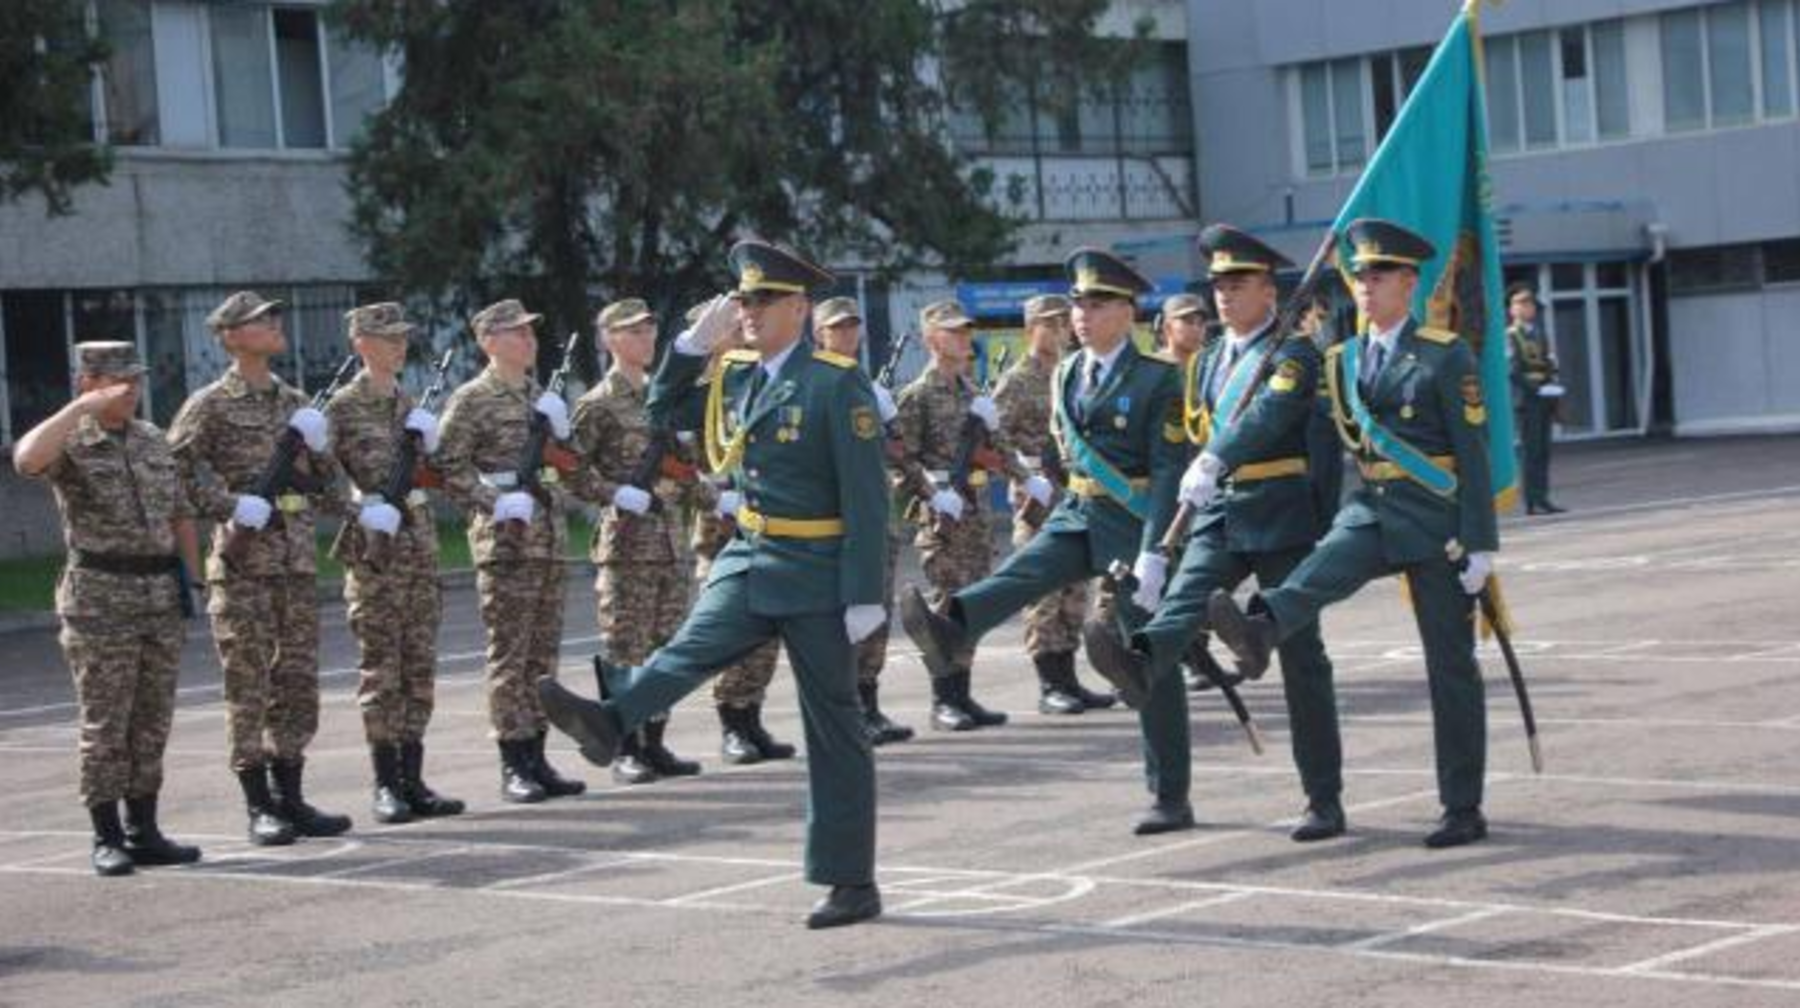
[[1430, 174]]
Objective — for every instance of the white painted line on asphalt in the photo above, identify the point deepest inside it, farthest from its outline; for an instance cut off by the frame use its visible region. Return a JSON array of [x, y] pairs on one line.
[[546, 878], [1429, 927], [1133, 920], [1656, 963], [705, 895], [390, 863]]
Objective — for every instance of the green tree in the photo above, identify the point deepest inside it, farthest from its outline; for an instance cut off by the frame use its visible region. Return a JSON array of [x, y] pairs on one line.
[[559, 149], [47, 56]]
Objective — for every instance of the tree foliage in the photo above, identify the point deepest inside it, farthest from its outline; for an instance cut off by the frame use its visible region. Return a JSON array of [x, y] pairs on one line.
[[47, 143], [563, 150]]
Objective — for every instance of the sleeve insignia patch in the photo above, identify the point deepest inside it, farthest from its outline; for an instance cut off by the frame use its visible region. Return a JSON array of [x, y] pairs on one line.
[[864, 423]]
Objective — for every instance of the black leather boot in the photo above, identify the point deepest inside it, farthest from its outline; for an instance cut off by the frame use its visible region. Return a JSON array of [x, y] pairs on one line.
[[630, 766], [389, 805], [947, 712], [736, 747], [661, 757], [771, 749], [555, 784], [267, 826], [109, 855], [424, 801], [983, 717], [1249, 636], [518, 784], [1056, 681], [144, 839], [288, 777], [878, 728]]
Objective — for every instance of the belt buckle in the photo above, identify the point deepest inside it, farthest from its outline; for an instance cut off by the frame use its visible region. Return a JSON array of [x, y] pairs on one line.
[[978, 477], [417, 497], [290, 503], [549, 475], [751, 521]]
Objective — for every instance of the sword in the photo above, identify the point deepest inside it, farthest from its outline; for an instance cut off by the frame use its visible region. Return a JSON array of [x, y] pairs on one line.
[[1119, 581], [1490, 610]]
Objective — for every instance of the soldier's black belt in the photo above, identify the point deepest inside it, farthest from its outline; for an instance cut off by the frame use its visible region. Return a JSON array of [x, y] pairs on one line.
[[124, 563]]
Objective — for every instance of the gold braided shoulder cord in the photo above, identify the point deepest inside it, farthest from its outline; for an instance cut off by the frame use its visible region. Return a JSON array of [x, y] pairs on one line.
[[1195, 417], [1339, 418], [724, 450]]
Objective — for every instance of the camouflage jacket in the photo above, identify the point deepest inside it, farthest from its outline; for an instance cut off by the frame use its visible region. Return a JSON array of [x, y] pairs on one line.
[[612, 430], [483, 433], [223, 437], [933, 411], [118, 495], [366, 433]]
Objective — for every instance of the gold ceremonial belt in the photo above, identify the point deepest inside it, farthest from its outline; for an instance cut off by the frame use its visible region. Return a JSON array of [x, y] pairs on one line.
[[1381, 472], [1087, 486], [757, 523], [1273, 469], [978, 477]]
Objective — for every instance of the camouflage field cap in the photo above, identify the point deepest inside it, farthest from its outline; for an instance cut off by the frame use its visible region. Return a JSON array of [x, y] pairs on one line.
[[108, 359], [944, 315], [239, 309], [831, 311], [1183, 305], [507, 314], [623, 312], [384, 320], [1046, 306]]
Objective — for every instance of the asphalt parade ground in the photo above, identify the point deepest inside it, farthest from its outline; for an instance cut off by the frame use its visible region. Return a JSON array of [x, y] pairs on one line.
[[1655, 861]]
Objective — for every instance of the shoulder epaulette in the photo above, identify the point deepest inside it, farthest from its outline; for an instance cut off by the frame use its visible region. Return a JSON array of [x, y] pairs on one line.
[[742, 357], [1334, 350], [834, 359], [1442, 337]]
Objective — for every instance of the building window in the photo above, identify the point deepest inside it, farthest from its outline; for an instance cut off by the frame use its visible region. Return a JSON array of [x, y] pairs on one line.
[[1781, 261], [242, 77], [1728, 64], [1612, 105], [358, 87], [1315, 103], [1538, 89], [128, 80], [299, 71], [1719, 268], [1503, 95], [1773, 26]]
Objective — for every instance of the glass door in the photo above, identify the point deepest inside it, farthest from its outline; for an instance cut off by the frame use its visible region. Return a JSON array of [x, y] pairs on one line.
[[1591, 312]]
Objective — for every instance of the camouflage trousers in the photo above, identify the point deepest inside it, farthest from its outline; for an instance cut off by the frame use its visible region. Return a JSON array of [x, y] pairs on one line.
[[955, 555], [522, 608], [746, 682], [1052, 623], [266, 630], [640, 606], [125, 688], [394, 613]]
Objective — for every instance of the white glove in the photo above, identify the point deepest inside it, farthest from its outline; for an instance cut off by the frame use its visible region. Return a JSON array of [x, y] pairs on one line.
[[1150, 570], [1039, 489], [983, 408], [862, 620], [380, 517], [1551, 391], [631, 499], [552, 408], [715, 320], [426, 425], [884, 402], [1474, 574], [251, 512], [948, 502], [1201, 481], [729, 502], [515, 505], [312, 427]]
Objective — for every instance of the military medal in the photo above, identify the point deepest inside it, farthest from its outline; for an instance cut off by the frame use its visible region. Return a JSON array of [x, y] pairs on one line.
[[1407, 412], [1123, 405]]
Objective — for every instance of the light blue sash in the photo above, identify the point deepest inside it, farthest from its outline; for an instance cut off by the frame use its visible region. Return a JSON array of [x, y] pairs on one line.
[[1386, 443]]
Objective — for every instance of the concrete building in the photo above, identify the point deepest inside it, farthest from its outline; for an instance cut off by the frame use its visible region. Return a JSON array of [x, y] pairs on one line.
[[1646, 174]]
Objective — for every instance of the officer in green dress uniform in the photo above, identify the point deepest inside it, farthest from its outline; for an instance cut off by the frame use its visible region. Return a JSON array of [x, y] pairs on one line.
[[1535, 393], [1248, 402], [1118, 422], [800, 432], [1408, 400]]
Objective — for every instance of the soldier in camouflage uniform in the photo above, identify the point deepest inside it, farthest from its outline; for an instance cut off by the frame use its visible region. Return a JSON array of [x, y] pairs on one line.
[[516, 537], [264, 602], [837, 328], [1052, 623], [954, 542], [390, 565], [740, 689], [641, 583], [120, 598]]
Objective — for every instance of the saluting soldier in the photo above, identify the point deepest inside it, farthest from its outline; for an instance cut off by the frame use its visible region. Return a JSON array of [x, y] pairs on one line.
[[837, 327], [120, 599], [264, 596], [800, 431], [954, 538], [1248, 405], [1023, 397], [390, 557], [739, 691], [1409, 400], [1118, 420], [1535, 393], [517, 538], [641, 579]]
